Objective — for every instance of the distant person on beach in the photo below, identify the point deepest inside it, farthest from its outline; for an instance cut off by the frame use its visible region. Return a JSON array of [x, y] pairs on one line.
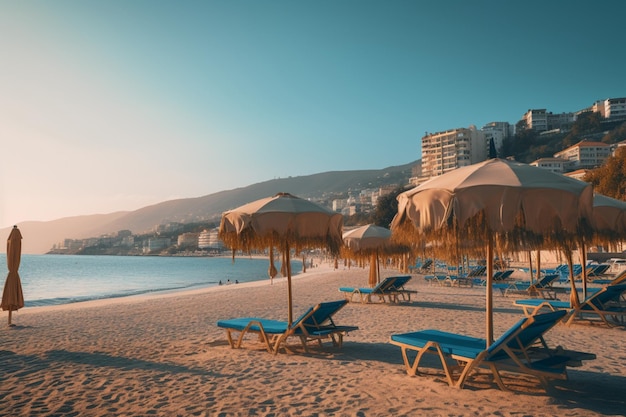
[[221, 282], [236, 281]]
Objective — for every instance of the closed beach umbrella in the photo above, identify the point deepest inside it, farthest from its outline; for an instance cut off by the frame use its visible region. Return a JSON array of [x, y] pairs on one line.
[[367, 242], [12, 296], [283, 221], [514, 203]]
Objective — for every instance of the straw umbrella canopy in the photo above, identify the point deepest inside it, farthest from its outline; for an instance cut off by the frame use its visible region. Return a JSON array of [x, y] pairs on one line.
[[497, 201], [283, 221], [608, 224], [609, 219], [367, 242], [12, 296]]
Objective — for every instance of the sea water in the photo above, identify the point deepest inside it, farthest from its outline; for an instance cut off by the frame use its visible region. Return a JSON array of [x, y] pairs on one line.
[[63, 279]]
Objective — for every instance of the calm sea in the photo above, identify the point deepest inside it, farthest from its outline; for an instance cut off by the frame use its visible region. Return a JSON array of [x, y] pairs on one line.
[[63, 279]]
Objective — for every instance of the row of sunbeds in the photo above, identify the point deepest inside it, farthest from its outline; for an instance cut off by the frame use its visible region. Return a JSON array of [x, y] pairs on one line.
[[521, 349], [316, 324]]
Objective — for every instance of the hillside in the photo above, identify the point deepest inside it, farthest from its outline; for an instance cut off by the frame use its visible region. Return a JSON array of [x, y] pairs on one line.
[[40, 236]]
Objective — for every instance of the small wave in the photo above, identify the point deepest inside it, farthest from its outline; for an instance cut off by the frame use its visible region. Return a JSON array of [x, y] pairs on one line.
[[79, 299]]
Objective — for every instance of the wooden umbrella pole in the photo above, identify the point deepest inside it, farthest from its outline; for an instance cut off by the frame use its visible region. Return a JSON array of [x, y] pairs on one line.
[[583, 256], [10, 311], [574, 301], [288, 265], [489, 296], [538, 265], [377, 269]]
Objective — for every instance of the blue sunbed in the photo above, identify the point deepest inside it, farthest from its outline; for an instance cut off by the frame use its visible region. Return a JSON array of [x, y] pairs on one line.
[[522, 349], [316, 324]]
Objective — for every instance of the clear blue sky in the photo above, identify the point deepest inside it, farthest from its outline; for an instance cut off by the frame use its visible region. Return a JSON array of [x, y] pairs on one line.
[[115, 105]]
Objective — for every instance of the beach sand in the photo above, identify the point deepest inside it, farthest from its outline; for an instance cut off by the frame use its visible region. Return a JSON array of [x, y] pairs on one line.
[[163, 355]]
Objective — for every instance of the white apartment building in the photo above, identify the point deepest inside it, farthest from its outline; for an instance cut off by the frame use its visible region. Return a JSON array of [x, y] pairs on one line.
[[208, 239], [339, 204], [585, 155], [155, 244], [536, 119], [541, 120], [445, 151], [558, 165], [611, 108], [188, 239]]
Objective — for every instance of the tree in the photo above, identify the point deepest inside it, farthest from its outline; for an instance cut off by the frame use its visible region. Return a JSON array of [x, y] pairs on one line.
[[610, 178], [616, 135], [386, 208], [492, 149]]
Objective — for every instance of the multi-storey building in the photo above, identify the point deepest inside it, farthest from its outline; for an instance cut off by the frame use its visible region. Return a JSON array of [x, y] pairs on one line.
[[585, 155], [558, 165], [611, 108], [208, 239], [445, 151], [156, 244], [536, 119], [541, 120], [188, 239]]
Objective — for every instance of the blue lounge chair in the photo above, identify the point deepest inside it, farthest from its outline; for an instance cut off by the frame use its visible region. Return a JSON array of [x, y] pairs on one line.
[[522, 349], [316, 324], [603, 305], [390, 288], [398, 286], [435, 279], [421, 266], [616, 280], [597, 270], [466, 280], [542, 288]]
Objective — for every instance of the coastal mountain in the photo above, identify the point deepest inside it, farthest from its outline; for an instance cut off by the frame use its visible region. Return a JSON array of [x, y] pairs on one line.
[[39, 237]]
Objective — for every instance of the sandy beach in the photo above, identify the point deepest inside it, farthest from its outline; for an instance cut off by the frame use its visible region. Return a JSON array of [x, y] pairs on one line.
[[163, 355]]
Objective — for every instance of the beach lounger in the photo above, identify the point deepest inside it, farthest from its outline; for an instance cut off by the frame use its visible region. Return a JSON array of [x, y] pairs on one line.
[[604, 305], [398, 287], [436, 279], [499, 278], [421, 266], [542, 288], [522, 349], [618, 279], [597, 270], [390, 288], [316, 324], [475, 276], [503, 274], [459, 281]]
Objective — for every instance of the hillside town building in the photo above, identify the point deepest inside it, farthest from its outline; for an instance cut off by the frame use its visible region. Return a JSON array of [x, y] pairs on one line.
[[446, 151], [584, 155]]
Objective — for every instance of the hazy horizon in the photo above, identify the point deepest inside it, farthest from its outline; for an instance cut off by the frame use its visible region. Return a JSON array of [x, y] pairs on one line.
[[113, 106]]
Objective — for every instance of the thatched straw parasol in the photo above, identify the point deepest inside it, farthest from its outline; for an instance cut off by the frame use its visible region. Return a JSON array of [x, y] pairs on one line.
[[367, 243], [286, 222], [495, 202]]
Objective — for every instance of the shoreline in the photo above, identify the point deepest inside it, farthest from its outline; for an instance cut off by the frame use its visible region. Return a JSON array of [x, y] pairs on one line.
[[135, 298]]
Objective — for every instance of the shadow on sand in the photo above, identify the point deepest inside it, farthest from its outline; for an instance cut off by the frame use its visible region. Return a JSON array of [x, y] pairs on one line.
[[597, 392], [14, 362]]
